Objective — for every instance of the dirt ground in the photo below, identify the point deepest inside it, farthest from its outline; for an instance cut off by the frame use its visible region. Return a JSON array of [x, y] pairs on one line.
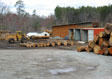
[[53, 64]]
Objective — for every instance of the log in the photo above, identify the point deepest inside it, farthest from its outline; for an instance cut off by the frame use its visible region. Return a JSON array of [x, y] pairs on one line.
[[100, 41], [41, 44], [38, 45], [96, 39], [96, 49], [102, 34], [111, 34], [28, 45], [91, 44], [105, 44], [110, 50], [110, 41], [88, 49], [101, 52], [44, 44], [105, 51], [106, 31], [64, 42], [108, 28], [52, 43], [48, 44], [58, 42], [69, 42], [34, 45], [81, 48]]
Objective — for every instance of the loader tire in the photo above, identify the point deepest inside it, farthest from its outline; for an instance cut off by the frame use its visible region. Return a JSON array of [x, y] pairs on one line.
[[23, 40], [11, 40]]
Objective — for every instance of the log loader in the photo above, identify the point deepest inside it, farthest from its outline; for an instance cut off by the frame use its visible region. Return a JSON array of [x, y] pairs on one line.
[[16, 37]]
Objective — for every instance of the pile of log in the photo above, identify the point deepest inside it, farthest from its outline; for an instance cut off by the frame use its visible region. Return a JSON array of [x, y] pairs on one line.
[[48, 43], [102, 43]]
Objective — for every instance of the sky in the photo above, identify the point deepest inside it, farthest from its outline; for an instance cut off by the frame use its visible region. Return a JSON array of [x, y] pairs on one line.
[[46, 7]]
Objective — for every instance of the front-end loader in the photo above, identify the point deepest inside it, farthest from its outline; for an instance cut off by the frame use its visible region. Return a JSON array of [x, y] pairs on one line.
[[16, 37]]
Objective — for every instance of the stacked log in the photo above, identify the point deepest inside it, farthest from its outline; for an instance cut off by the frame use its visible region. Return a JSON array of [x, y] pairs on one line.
[[101, 44], [48, 43]]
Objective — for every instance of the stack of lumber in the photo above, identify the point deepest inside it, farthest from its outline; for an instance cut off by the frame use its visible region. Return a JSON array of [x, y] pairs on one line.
[[102, 43], [48, 43]]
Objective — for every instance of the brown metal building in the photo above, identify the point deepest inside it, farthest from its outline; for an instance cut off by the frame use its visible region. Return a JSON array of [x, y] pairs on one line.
[[63, 30]]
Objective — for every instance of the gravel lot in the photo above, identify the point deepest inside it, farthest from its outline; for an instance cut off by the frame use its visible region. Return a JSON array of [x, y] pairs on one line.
[[53, 64]]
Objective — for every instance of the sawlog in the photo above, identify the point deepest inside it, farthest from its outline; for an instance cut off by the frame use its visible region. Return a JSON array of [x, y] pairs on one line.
[[108, 28], [91, 44], [28, 45], [106, 31], [110, 50], [42, 44], [81, 48], [100, 41], [103, 51], [110, 41], [48, 44], [38, 45], [34, 45], [52, 43], [64, 42], [96, 49], [88, 49], [58, 42], [105, 44], [102, 34], [111, 34], [69, 42], [96, 39]]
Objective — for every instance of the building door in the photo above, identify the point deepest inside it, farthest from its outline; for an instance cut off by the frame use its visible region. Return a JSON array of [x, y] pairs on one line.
[[77, 35], [84, 35], [90, 35]]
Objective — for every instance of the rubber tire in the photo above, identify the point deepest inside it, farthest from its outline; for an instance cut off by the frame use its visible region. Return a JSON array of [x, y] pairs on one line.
[[11, 40], [23, 40]]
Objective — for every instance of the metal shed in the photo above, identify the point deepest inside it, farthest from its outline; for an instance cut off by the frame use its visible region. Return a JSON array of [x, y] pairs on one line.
[[84, 34]]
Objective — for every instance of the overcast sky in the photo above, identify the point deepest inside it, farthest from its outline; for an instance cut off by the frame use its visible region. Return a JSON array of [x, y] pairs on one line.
[[46, 7]]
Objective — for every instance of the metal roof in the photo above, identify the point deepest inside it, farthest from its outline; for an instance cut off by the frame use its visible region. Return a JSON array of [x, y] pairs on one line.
[[89, 28], [74, 24]]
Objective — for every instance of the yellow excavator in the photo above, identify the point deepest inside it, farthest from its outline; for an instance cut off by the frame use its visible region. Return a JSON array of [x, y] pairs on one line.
[[16, 37]]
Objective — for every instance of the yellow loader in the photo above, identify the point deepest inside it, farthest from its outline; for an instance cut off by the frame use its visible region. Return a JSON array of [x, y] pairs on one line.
[[16, 37]]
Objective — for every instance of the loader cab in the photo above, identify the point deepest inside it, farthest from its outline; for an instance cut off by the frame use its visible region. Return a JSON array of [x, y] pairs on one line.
[[19, 35]]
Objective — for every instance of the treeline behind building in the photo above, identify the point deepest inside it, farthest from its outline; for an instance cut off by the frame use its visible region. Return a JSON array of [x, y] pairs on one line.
[[65, 15]]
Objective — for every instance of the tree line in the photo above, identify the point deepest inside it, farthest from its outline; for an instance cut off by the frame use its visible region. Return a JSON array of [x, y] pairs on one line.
[[102, 14], [22, 20]]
